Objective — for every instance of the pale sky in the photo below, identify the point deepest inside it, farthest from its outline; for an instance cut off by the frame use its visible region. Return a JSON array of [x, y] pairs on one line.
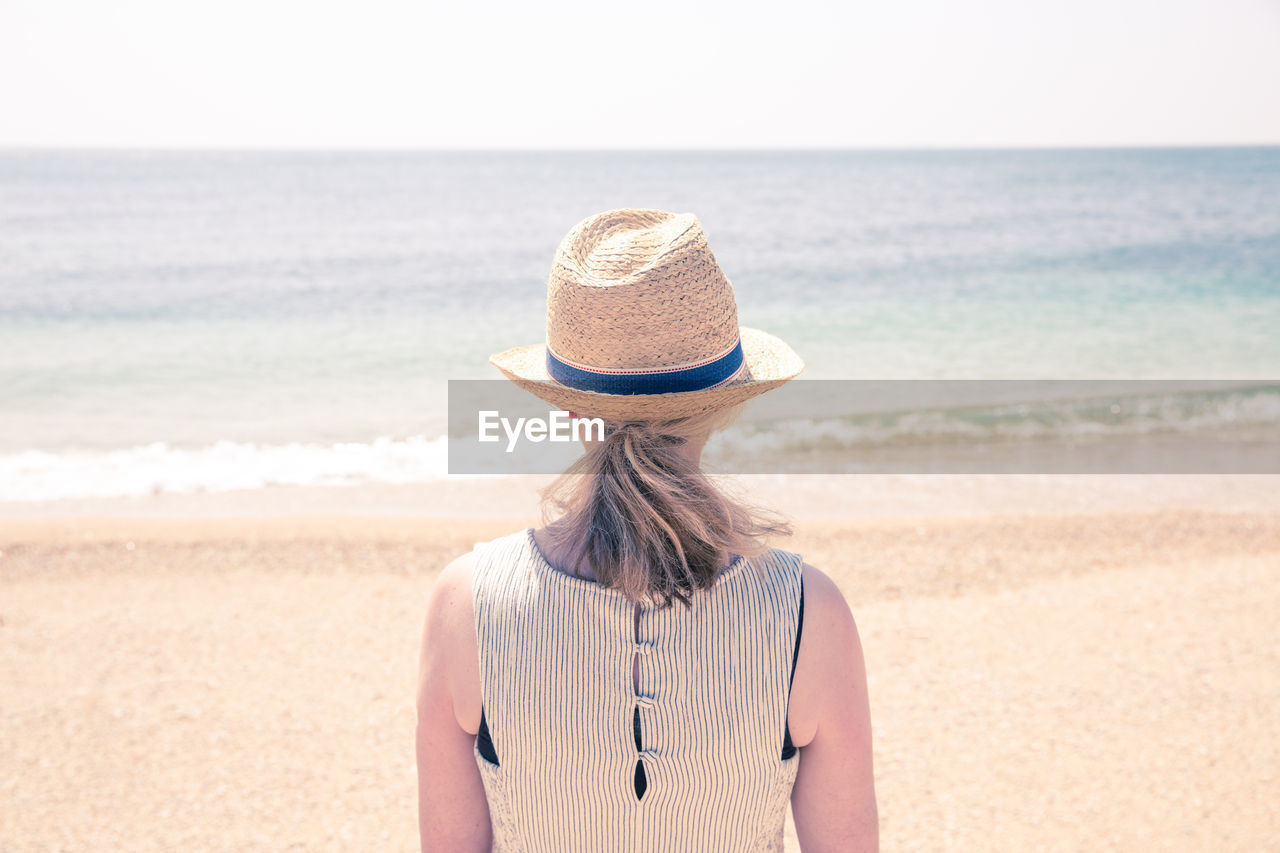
[[569, 74]]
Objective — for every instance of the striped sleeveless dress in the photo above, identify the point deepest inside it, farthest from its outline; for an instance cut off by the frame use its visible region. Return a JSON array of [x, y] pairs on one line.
[[573, 758]]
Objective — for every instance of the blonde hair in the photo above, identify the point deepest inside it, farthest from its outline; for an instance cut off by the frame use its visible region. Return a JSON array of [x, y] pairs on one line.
[[642, 515]]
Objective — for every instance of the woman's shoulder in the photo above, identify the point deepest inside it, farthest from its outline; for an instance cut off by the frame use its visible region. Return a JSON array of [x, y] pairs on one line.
[[823, 595], [449, 602], [828, 619], [451, 595], [449, 637], [459, 575], [830, 651], [456, 577]]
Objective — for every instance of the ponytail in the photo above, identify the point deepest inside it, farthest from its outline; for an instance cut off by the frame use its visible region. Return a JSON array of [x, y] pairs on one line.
[[642, 516]]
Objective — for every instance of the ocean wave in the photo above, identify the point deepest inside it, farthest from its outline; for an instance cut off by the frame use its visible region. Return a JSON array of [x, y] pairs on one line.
[[1207, 413], [759, 446], [157, 468]]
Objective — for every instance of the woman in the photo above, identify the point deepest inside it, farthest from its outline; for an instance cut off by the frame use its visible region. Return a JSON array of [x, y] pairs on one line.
[[642, 673]]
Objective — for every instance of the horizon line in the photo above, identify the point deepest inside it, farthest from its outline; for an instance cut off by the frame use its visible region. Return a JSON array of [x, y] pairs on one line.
[[273, 148]]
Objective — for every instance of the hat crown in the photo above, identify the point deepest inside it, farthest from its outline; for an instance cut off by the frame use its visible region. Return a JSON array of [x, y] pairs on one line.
[[638, 289]]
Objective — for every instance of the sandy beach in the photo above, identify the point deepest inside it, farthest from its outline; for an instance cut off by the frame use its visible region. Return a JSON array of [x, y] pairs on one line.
[[1054, 664]]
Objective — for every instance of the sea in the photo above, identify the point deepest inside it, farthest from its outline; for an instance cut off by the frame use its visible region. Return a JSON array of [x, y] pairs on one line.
[[208, 321]]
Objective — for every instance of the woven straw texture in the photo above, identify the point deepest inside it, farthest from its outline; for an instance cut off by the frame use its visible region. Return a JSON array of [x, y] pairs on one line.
[[636, 289]]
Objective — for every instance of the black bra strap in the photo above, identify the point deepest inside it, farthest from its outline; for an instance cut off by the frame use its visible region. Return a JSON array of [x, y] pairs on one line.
[[484, 743], [788, 749]]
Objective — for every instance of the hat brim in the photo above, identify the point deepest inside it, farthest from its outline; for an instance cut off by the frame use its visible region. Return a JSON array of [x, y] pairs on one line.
[[767, 363]]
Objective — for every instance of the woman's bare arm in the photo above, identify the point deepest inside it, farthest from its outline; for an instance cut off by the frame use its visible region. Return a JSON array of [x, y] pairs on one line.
[[453, 814], [834, 800]]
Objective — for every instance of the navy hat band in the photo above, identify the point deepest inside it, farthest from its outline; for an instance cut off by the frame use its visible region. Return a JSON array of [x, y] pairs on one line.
[[659, 380]]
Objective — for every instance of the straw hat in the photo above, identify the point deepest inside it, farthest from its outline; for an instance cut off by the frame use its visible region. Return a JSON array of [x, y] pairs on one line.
[[642, 325]]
